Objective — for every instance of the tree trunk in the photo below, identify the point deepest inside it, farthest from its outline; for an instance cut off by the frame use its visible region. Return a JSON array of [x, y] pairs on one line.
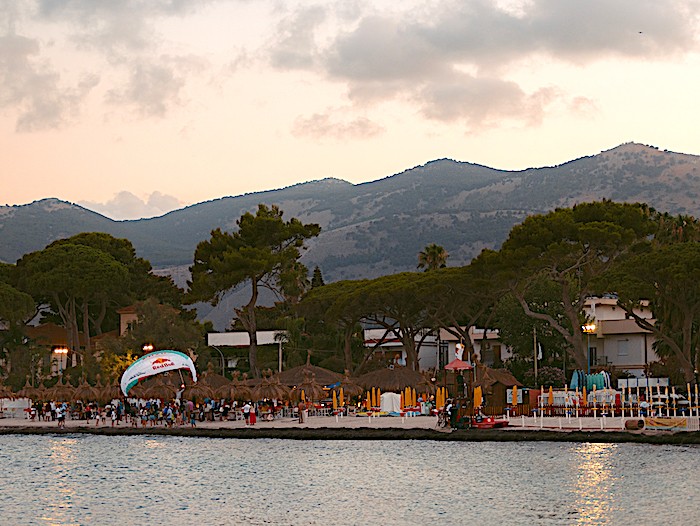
[[250, 323], [409, 345], [347, 346], [86, 327]]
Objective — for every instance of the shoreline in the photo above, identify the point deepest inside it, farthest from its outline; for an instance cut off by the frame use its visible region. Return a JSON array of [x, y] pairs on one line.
[[356, 431]]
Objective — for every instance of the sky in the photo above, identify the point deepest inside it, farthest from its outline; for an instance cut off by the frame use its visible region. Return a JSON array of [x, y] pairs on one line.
[[134, 108]]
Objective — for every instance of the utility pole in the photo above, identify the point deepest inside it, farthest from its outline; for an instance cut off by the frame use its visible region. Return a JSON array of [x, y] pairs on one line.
[[534, 347]]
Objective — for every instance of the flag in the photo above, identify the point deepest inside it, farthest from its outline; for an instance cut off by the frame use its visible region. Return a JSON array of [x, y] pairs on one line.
[[539, 351]]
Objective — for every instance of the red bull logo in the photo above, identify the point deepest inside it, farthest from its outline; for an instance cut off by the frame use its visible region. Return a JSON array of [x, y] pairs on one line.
[[160, 363]]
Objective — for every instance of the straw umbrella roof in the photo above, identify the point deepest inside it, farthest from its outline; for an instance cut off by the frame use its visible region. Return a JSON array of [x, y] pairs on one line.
[[350, 386], [270, 388], [62, 391], [238, 389], [159, 388], [312, 389], [219, 385], [295, 375], [85, 392], [110, 391], [394, 379], [29, 391], [198, 391], [5, 391]]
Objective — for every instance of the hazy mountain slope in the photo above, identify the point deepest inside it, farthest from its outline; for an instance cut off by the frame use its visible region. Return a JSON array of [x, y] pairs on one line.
[[379, 227]]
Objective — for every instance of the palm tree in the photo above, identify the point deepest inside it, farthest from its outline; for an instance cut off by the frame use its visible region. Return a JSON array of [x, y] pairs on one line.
[[432, 257]]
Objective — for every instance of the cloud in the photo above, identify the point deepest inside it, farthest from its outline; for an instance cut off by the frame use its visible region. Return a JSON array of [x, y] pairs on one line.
[[453, 59], [154, 86], [126, 205], [323, 125], [35, 89], [121, 38]]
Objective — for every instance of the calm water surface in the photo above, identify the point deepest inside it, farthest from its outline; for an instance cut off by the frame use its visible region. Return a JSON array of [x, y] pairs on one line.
[[83, 479]]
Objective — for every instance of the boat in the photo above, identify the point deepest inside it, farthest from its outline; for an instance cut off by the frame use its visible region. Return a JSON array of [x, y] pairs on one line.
[[488, 423]]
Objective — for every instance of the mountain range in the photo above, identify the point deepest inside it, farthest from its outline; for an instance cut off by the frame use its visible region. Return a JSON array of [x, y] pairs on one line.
[[378, 228]]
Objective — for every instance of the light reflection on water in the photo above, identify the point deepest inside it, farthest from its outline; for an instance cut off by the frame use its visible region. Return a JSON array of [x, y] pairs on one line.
[[79, 479]]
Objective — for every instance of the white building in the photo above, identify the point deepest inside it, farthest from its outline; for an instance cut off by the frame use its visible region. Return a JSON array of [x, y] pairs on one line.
[[617, 341]]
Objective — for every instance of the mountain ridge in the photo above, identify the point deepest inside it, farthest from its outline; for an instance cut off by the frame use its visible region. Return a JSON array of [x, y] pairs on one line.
[[378, 227]]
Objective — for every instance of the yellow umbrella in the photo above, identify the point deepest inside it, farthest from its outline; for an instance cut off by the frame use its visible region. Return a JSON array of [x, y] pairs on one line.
[[303, 396], [379, 398], [478, 398], [374, 397], [403, 404], [341, 398], [414, 397], [515, 396], [551, 396], [335, 401], [585, 397], [368, 401]]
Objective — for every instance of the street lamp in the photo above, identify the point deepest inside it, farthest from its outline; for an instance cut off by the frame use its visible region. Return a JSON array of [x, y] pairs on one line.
[[223, 369], [147, 347], [588, 329], [61, 351]]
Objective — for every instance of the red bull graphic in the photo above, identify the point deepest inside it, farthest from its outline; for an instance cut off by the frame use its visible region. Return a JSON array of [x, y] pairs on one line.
[[160, 363]]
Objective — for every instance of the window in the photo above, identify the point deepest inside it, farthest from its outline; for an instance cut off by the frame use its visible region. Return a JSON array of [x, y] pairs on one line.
[[623, 347], [443, 354]]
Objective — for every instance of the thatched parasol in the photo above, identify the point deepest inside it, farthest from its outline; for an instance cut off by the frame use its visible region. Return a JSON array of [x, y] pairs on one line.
[[219, 385], [393, 379], [85, 392], [110, 391], [159, 388], [350, 386], [6, 392], [312, 389], [29, 391], [198, 391], [238, 389], [61, 391], [296, 375], [270, 388]]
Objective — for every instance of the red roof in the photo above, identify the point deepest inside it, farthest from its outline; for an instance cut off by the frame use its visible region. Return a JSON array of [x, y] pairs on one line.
[[458, 365]]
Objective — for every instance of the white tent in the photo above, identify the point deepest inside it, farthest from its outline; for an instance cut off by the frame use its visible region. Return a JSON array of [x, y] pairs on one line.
[[391, 403]]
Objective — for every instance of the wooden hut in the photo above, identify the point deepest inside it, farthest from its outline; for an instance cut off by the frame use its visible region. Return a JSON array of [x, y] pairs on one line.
[[494, 384]]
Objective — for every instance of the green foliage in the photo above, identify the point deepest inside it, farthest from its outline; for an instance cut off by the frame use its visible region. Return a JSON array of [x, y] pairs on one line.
[[573, 248], [668, 276], [432, 257], [16, 307], [317, 279], [264, 252]]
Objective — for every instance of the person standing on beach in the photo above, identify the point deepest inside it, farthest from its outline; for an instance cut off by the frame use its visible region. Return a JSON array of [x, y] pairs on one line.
[[61, 415], [246, 413]]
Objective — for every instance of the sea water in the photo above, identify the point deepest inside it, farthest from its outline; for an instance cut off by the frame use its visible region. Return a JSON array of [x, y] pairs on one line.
[[125, 480]]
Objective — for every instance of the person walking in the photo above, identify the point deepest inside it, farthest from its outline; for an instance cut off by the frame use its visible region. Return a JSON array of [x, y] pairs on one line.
[[246, 413]]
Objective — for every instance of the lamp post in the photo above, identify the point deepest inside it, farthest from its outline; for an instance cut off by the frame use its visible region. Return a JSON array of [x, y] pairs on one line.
[[588, 329], [147, 347], [223, 369], [61, 351]]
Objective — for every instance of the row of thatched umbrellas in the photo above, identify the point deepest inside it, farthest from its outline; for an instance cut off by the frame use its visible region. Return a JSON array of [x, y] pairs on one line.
[[289, 384]]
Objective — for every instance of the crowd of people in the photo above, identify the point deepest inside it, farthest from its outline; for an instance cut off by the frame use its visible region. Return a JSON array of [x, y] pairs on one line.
[[153, 412]]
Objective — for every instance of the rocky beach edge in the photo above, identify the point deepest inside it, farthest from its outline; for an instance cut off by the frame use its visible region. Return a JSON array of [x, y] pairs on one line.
[[366, 433]]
